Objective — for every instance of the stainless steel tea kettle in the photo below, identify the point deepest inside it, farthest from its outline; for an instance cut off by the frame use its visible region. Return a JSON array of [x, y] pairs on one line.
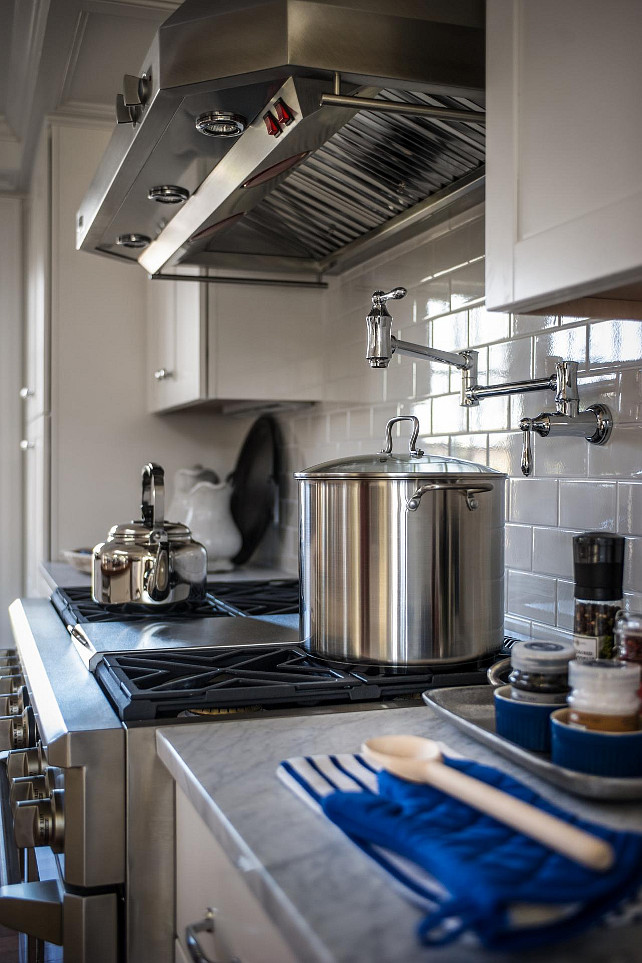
[[151, 562]]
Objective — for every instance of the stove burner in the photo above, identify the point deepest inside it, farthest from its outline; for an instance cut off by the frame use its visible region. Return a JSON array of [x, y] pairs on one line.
[[158, 684], [251, 598]]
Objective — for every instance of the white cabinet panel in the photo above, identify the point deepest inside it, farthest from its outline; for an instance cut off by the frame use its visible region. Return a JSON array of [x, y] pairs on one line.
[[176, 369], [564, 197], [35, 391], [35, 451], [205, 878], [265, 342]]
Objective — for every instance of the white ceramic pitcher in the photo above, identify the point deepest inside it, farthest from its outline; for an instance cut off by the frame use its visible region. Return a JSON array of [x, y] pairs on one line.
[[210, 520]]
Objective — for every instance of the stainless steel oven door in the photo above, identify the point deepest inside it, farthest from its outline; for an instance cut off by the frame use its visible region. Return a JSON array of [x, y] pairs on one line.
[[35, 901]]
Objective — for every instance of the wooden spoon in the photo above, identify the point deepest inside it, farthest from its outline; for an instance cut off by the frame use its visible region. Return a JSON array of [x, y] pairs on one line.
[[420, 760]]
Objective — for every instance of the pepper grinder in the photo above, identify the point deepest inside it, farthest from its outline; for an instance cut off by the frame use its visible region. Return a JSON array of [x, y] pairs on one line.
[[598, 560]]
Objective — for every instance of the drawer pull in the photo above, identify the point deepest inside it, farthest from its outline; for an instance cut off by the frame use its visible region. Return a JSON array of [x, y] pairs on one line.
[[205, 925]]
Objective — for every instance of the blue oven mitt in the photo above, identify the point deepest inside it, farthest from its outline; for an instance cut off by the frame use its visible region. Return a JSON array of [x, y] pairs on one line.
[[485, 867]]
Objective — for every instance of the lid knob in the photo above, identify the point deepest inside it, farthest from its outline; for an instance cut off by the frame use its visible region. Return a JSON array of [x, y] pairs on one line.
[[415, 452]]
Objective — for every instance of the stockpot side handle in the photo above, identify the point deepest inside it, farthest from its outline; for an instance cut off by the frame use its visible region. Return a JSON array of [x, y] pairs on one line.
[[153, 500], [416, 452], [468, 491]]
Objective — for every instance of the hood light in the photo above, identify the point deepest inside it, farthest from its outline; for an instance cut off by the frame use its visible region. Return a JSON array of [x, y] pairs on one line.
[[133, 240], [168, 194], [220, 123]]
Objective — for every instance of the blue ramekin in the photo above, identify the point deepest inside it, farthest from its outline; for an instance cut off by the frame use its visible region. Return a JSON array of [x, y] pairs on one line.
[[617, 754], [524, 723]]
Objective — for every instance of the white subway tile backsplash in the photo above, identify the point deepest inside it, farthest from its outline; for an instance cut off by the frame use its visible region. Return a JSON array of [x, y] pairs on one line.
[[529, 323], [533, 501], [509, 361], [532, 596], [448, 417], [576, 487], [621, 456], [565, 604], [629, 519], [560, 456], [560, 344], [553, 551], [615, 341], [470, 448], [633, 565], [486, 326], [505, 452], [588, 505], [518, 547], [450, 334], [549, 634]]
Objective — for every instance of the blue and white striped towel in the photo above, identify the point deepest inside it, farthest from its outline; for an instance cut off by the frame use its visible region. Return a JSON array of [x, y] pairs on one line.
[[314, 778]]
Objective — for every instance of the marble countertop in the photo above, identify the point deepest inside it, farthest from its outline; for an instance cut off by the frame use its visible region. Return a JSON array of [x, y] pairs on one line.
[[328, 899]]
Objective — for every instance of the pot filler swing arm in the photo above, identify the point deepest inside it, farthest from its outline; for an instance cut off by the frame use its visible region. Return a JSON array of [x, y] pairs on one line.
[[594, 423]]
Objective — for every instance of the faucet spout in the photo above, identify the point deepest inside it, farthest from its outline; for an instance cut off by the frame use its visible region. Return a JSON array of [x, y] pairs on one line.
[[380, 344]]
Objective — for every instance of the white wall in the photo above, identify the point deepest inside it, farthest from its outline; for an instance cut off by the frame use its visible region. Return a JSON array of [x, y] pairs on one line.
[[10, 375], [575, 486]]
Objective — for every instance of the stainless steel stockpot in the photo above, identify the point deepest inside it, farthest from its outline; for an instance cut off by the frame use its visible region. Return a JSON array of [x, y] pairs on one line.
[[401, 557], [151, 562]]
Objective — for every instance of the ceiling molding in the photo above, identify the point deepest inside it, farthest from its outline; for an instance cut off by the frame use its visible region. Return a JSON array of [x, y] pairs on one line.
[[72, 59], [78, 110], [139, 9], [27, 38]]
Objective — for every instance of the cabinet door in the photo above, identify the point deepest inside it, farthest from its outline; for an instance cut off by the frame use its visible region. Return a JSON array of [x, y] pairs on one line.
[[206, 879], [563, 193], [35, 449], [176, 343], [35, 392], [265, 342]]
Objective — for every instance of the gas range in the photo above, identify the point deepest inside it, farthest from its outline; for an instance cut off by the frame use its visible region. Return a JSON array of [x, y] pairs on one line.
[[88, 726], [199, 659]]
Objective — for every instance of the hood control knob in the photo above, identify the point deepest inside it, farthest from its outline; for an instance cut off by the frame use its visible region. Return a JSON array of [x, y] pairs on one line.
[[40, 822], [26, 762]]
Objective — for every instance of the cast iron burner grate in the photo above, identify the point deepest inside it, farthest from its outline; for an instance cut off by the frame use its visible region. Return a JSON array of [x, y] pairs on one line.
[[153, 685], [249, 598]]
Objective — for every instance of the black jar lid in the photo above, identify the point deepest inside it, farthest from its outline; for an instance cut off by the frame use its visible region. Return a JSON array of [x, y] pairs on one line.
[[598, 561]]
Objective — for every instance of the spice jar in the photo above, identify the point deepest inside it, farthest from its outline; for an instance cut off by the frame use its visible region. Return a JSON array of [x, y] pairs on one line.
[[628, 639], [604, 695], [598, 559], [539, 671]]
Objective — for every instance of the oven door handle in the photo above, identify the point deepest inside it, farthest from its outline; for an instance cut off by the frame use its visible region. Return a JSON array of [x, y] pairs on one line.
[[33, 908]]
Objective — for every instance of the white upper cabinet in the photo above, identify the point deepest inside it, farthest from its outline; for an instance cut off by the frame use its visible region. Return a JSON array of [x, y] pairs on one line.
[[176, 365], [265, 342], [564, 157]]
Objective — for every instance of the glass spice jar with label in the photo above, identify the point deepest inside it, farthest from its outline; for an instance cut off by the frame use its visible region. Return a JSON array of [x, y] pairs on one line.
[[628, 639], [598, 561], [604, 695]]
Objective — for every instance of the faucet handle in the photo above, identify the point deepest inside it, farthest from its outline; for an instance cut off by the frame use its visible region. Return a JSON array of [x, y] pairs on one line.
[[526, 424], [379, 297]]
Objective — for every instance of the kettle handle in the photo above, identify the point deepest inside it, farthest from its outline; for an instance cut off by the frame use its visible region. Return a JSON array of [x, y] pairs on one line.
[[153, 500]]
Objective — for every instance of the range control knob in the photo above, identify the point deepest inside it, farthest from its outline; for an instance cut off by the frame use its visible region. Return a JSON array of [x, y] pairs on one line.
[[35, 787], [13, 705], [10, 682], [23, 730], [40, 822], [26, 762]]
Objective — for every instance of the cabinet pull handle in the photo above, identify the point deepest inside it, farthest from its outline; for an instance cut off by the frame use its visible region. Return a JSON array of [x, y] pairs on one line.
[[26, 393], [162, 373], [26, 445], [205, 925]]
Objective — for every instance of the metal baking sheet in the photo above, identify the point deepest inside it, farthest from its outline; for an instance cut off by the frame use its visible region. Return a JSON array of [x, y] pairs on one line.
[[471, 709]]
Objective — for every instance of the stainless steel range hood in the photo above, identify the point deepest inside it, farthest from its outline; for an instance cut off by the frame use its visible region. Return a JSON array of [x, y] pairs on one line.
[[307, 186]]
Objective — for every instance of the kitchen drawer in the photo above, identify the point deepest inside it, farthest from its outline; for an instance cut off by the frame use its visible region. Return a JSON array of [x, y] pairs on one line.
[[205, 877]]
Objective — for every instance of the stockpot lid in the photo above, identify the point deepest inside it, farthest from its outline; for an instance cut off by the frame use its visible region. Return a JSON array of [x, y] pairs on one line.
[[389, 464]]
